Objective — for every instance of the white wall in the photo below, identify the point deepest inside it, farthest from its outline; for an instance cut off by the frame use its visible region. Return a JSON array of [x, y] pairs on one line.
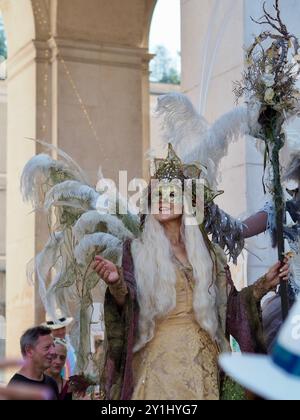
[[226, 24]]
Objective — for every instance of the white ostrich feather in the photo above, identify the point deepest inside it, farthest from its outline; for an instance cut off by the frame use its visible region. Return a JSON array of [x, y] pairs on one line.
[[181, 124], [35, 179], [110, 201], [46, 260], [61, 291], [80, 175], [104, 243], [93, 222], [131, 222], [213, 146], [73, 193], [192, 138], [50, 297]]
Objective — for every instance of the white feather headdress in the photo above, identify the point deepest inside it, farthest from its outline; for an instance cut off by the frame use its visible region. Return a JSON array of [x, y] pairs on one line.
[[192, 137]]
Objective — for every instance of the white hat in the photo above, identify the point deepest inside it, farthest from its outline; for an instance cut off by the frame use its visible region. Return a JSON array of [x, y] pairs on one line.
[[275, 377], [56, 323]]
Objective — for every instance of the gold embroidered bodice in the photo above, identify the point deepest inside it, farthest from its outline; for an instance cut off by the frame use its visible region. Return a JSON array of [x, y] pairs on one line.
[[180, 363]]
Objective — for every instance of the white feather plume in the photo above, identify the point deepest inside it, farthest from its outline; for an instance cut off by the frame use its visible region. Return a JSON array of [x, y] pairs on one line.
[[107, 245], [46, 260], [72, 193], [181, 124], [79, 174], [50, 303], [213, 146], [61, 291], [192, 138], [35, 179], [93, 222]]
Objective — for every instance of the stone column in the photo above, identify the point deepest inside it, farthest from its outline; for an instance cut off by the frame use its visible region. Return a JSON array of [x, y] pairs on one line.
[[110, 81], [97, 55], [24, 233]]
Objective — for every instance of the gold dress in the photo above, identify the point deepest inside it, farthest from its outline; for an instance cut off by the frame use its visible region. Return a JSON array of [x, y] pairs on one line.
[[180, 363]]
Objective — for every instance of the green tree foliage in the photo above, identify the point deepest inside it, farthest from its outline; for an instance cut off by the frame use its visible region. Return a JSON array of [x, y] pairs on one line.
[[163, 68], [3, 45]]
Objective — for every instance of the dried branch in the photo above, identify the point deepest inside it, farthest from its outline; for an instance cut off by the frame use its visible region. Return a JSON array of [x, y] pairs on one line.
[[277, 9], [265, 22], [268, 14]]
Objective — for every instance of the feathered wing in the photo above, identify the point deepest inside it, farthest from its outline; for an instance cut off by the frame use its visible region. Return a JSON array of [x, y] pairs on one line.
[[82, 228], [192, 137], [181, 124], [213, 145]]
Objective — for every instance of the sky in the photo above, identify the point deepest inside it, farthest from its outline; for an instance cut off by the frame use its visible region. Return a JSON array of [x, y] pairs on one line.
[[165, 28]]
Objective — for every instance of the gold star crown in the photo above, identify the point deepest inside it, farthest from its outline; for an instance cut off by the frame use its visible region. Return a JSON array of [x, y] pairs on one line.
[[173, 168]]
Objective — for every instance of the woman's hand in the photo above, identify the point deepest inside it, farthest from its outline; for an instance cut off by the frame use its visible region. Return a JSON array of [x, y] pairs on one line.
[[106, 270], [271, 280], [278, 272]]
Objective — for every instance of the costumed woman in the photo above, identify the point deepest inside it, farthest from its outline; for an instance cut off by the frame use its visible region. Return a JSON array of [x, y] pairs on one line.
[[172, 285], [170, 308]]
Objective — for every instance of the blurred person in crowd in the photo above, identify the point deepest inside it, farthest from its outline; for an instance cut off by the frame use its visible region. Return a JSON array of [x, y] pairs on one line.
[[58, 328], [37, 349], [19, 392], [56, 369]]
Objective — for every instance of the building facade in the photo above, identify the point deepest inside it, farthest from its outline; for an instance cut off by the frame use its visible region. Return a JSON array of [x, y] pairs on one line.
[[78, 77]]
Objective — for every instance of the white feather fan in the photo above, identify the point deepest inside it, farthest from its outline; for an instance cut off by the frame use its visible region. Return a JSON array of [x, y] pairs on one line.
[[193, 140], [93, 222], [72, 193], [103, 243]]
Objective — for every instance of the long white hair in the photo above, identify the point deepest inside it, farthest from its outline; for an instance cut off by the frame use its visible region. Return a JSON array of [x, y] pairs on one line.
[[155, 275]]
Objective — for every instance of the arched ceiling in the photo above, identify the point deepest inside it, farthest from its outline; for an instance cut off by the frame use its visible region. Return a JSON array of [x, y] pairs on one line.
[[114, 22], [119, 22]]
